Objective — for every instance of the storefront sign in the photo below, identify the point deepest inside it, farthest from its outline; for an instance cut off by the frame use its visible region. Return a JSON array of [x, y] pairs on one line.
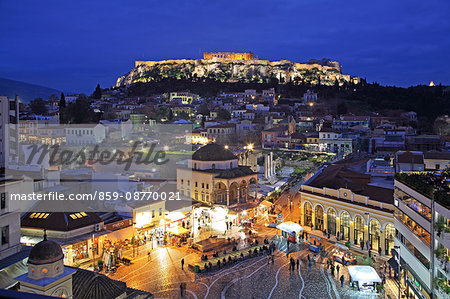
[[119, 224]]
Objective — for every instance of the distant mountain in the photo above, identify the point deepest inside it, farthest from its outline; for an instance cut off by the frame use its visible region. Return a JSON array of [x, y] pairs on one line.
[[26, 91]]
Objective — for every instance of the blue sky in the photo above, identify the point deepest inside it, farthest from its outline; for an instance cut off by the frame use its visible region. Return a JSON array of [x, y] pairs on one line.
[[73, 45]]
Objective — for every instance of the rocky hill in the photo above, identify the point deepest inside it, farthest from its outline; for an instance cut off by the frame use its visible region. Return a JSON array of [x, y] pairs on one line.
[[323, 71]]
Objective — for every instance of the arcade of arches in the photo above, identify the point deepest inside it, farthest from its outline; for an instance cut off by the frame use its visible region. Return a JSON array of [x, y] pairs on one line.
[[233, 191], [351, 226]]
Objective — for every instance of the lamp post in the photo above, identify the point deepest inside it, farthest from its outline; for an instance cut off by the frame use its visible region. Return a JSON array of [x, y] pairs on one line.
[[399, 260], [134, 239], [93, 253]]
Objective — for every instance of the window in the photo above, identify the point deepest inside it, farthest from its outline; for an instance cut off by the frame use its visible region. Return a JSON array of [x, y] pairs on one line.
[[3, 200], [203, 185], [181, 181], [207, 186], [231, 164], [196, 184], [437, 167], [188, 182], [160, 211], [213, 166], [195, 165], [153, 213], [5, 234]]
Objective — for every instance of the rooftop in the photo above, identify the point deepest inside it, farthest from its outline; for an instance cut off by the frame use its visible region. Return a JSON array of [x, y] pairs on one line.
[[213, 152], [337, 176], [433, 185]]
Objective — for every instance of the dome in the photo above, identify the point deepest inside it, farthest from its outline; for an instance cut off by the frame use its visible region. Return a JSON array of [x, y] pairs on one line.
[[45, 252], [213, 152]]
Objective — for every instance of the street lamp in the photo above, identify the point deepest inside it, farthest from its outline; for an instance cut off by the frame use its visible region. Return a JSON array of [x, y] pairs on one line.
[[134, 239], [399, 261]]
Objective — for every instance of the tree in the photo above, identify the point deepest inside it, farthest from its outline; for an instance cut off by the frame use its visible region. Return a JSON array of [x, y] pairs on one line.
[[62, 101], [80, 112], [97, 93], [38, 107], [342, 108], [223, 114]]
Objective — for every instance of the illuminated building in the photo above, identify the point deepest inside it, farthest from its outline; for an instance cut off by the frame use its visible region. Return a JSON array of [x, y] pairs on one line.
[[345, 202], [214, 176], [228, 55]]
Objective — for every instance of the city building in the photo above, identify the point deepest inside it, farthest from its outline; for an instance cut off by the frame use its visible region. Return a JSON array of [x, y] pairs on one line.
[[406, 161], [85, 134], [222, 133], [46, 274], [333, 142], [183, 97], [79, 234], [214, 176], [9, 130], [420, 200], [342, 201], [436, 160]]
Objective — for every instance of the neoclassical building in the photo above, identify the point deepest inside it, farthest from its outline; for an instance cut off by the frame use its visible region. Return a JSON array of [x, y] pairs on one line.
[[345, 202], [214, 176]]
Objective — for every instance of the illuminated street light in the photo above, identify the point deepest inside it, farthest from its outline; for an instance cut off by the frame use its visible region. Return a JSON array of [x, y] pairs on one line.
[[250, 147], [226, 146]]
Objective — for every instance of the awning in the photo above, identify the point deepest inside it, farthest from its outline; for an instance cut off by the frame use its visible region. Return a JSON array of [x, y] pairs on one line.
[[363, 274], [178, 230], [290, 227], [341, 246], [266, 203], [394, 264]]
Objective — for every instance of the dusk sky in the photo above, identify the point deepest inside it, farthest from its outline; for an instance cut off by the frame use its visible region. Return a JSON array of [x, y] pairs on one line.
[[73, 45]]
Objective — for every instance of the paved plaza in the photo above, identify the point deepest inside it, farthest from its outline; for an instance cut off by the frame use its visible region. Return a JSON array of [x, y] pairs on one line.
[[257, 277]]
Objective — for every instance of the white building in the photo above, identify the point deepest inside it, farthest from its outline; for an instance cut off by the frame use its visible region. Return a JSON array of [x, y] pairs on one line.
[[413, 223], [10, 214], [85, 134]]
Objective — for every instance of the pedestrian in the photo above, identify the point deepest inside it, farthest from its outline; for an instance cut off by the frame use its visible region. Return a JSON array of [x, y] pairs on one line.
[[342, 281], [379, 250], [182, 287], [149, 257], [310, 265], [273, 258], [384, 266], [362, 244], [384, 280], [298, 263], [337, 269], [332, 270], [182, 264]]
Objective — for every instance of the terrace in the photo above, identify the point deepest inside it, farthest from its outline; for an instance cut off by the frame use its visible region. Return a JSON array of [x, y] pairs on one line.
[[433, 185]]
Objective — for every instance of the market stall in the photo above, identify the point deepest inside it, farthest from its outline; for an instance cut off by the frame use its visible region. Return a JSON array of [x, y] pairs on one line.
[[365, 277], [313, 243], [342, 254], [290, 230], [178, 235]]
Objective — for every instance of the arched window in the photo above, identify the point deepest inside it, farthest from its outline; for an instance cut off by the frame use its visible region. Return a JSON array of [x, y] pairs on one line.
[[308, 214], [195, 165], [345, 226], [213, 166], [231, 165], [359, 230]]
